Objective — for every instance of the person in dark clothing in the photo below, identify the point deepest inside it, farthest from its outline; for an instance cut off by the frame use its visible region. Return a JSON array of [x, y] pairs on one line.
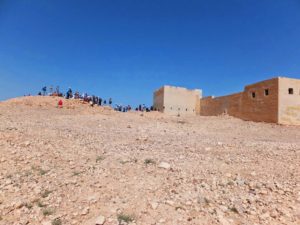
[[44, 89], [69, 94], [100, 101], [110, 101], [104, 102]]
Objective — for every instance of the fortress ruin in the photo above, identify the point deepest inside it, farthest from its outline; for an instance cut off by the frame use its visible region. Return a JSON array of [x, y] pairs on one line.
[[275, 100]]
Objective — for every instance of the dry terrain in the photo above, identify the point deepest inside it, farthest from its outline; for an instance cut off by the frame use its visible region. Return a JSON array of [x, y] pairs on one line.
[[87, 166]]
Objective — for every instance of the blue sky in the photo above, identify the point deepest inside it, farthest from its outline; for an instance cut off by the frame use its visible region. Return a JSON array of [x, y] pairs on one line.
[[125, 49]]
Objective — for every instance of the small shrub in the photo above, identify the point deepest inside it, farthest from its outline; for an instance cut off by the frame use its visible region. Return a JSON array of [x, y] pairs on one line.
[[39, 170], [46, 193], [149, 161], [48, 212], [99, 158], [28, 205], [76, 173], [179, 208], [42, 172], [40, 204], [123, 162], [234, 209], [56, 221], [125, 218]]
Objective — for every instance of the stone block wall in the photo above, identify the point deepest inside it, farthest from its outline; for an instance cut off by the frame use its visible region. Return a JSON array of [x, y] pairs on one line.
[[275, 100], [177, 100], [289, 101], [258, 102]]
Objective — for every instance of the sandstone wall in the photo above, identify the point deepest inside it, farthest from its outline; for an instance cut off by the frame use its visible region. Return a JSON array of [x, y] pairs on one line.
[[158, 100], [262, 108], [230, 105], [258, 102], [289, 104], [177, 100]]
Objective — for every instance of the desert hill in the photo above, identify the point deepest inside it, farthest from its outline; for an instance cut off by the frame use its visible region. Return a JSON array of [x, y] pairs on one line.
[[91, 165]]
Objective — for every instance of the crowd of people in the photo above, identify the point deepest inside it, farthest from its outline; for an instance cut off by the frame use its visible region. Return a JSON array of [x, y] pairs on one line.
[[93, 100]]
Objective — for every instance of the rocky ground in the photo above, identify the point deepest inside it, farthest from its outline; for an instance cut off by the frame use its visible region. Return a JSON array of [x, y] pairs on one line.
[[89, 166]]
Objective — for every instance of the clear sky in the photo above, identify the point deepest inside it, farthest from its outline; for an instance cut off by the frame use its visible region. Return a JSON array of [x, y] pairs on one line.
[[125, 49]]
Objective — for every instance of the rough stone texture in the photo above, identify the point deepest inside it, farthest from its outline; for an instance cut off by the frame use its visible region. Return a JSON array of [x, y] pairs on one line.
[[277, 107], [177, 100], [262, 108], [77, 163], [289, 104]]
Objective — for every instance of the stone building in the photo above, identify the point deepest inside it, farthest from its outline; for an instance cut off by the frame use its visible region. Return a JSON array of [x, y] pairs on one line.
[[275, 100], [177, 100]]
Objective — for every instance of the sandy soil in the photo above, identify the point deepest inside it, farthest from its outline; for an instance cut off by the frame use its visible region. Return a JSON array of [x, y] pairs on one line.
[[84, 165]]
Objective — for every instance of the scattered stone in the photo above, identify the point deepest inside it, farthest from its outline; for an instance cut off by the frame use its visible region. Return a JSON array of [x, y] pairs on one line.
[[250, 178], [253, 173], [164, 165], [154, 205], [170, 202], [27, 143], [100, 220], [85, 211]]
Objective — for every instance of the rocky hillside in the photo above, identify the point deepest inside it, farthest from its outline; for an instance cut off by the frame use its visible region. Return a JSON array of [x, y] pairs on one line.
[[90, 165]]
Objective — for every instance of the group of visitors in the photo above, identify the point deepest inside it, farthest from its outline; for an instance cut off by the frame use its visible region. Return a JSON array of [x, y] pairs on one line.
[[93, 100], [121, 108], [51, 92], [140, 108], [144, 108]]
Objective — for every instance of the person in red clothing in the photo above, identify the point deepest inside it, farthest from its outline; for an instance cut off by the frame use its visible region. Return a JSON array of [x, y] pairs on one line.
[[60, 104]]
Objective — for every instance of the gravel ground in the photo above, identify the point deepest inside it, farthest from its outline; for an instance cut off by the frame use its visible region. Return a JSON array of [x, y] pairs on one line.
[[84, 165]]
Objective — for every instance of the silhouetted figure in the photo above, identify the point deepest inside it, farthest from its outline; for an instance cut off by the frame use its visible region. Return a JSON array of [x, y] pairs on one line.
[[44, 90], [69, 93]]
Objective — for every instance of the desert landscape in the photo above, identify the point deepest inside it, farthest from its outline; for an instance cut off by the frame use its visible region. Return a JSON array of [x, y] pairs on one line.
[[93, 166]]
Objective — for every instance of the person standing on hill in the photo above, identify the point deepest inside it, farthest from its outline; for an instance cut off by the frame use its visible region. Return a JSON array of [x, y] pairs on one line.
[[44, 89], [60, 104], [69, 93], [110, 101]]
